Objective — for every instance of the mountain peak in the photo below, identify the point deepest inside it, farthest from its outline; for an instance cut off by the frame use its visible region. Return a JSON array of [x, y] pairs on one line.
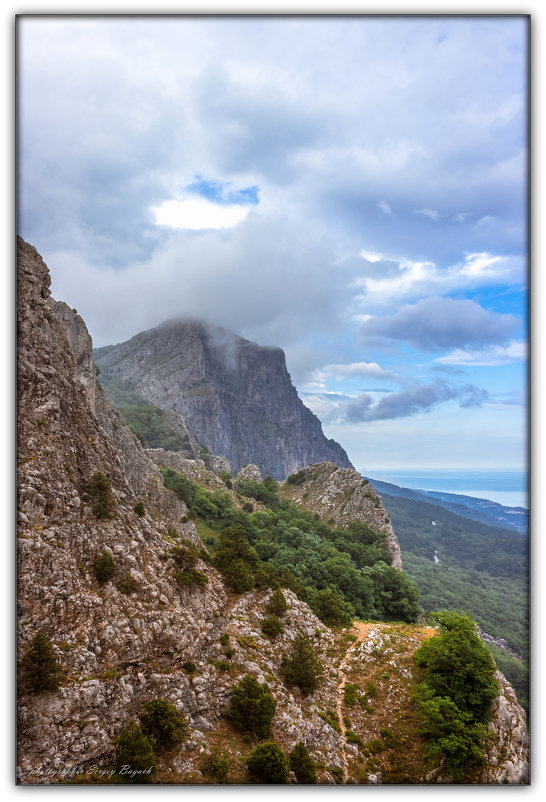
[[236, 396]]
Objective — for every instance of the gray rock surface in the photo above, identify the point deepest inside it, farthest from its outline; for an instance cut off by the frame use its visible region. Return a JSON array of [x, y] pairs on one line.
[[236, 397]]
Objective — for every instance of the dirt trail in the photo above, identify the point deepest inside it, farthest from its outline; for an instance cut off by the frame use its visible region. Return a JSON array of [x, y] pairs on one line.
[[362, 634]]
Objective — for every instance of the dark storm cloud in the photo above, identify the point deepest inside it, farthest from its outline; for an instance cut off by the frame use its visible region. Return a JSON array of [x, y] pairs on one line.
[[438, 323]]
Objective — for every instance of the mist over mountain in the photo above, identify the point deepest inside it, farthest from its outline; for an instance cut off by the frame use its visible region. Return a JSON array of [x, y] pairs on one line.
[[236, 397]]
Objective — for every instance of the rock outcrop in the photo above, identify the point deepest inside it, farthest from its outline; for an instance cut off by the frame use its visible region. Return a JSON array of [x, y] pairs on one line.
[[339, 496], [235, 396], [507, 758]]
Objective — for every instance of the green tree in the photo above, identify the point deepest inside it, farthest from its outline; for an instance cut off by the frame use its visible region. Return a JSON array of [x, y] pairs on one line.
[[302, 667], [135, 753], [458, 665], [236, 559], [252, 707], [277, 604], [41, 669], [104, 567], [163, 723], [331, 608], [396, 597], [455, 695], [100, 490], [269, 763], [303, 765], [452, 733]]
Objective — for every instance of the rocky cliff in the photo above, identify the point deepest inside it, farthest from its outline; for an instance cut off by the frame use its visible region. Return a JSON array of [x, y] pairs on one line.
[[141, 636], [236, 397], [340, 495]]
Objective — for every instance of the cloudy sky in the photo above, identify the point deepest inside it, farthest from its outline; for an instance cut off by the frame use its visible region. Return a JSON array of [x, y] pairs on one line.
[[351, 189]]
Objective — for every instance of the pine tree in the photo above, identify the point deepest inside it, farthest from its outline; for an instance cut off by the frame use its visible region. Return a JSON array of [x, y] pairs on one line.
[[135, 759], [252, 707], [303, 667], [303, 765], [40, 666]]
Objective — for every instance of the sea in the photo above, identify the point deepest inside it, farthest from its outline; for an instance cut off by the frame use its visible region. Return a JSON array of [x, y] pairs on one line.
[[509, 488]]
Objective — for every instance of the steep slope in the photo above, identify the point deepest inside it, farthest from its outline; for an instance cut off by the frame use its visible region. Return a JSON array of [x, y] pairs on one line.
[[131, 639], [340, 495], [236, 397]]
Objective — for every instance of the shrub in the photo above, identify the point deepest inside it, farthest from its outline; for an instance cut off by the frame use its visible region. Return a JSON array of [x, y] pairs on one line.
[[224, 639], [216, 765], [134, 753], [303, 765], [226, 478], [269, 763], [100, 490], [41, 669], [272, 626], [353, 738], [350, 694], [127, 584], [162, 722], [296, 478], [248, 507], [185, 555], [189, 667], [190, 578], [277, 604], [139, 509], [252, 707], [104, 567], [303, 667], [221, 665]]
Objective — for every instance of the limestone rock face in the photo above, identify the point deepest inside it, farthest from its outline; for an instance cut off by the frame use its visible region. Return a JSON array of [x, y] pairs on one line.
[[235, 396], [341, 495], [507, 759]]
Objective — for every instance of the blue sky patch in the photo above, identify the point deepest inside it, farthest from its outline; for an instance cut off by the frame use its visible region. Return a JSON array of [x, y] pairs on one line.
[[221, 192]]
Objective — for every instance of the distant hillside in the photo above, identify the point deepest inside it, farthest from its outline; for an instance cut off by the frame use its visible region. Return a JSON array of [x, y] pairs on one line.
[[236, 397], [477, 509]]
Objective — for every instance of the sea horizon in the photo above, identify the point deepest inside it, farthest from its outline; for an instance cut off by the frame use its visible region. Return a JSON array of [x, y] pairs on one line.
[[509, 488]]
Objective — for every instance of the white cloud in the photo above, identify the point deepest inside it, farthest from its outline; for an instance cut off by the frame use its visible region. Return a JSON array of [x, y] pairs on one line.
[[434, 214], [363, 370], [414, 279], [198, 213], [516, 351], [384, 206]]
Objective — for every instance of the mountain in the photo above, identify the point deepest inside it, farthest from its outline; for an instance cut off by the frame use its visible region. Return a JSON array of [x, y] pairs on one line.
[[128, 624], [477, 509], [236, 397]]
